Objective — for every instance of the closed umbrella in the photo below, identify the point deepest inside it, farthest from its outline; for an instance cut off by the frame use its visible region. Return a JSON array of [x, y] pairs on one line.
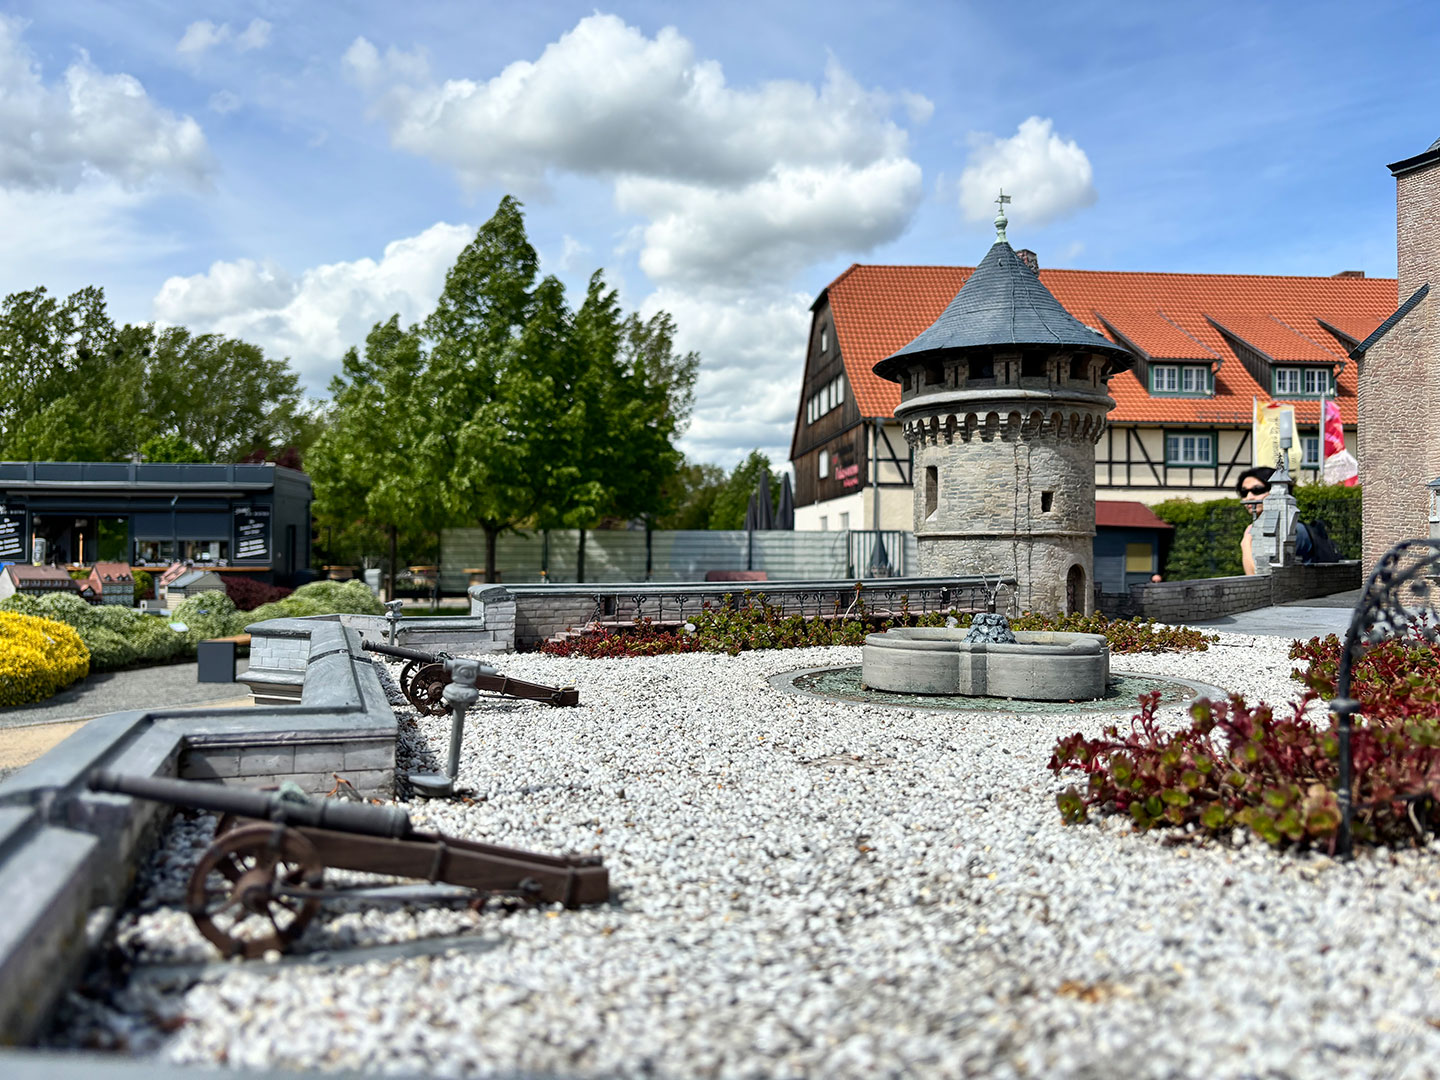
[[764, 505], [785, 516]]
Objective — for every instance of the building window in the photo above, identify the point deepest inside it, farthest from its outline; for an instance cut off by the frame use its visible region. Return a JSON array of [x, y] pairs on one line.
[[824, 338], [828, 397], [1189, 448], [824, 464], [1310, 444], [932, 490], [1303, 382], [844, 520], [824, 523], [980, 367], [1179, 379]]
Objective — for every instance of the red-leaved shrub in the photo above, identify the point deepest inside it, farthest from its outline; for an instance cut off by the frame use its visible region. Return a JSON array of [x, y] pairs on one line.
[[248, 594]]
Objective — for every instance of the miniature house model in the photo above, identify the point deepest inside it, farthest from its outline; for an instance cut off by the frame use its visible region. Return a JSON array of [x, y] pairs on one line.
[[1003, 400]]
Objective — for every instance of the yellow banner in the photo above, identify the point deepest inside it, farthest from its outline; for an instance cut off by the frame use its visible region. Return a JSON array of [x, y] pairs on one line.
[[1270, 417]]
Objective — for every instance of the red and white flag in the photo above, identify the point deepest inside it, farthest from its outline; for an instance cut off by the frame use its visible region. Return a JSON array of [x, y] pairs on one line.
[[1340, 465]]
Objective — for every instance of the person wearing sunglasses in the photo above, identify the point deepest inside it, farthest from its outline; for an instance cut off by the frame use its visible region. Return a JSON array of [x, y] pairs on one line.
[[1252, 487]]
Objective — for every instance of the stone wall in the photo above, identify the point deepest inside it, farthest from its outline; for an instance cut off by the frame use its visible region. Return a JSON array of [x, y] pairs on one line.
[[1212, 598], [1014, 496], [68, 855]]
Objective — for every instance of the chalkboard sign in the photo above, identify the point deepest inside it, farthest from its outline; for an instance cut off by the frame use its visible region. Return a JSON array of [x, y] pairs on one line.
[[12, 537], [252, 532]]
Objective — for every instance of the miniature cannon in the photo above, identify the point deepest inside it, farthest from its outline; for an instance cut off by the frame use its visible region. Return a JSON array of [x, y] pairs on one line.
[[424, 677], [261, 881]]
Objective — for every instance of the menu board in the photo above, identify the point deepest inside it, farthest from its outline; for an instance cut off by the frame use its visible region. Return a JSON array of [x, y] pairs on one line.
[[252, 532], [12, 537]]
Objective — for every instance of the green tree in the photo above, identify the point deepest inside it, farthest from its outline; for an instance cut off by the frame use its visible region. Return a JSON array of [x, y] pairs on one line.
[[732, 500], [690, 495], [169, 448], [368, 464]]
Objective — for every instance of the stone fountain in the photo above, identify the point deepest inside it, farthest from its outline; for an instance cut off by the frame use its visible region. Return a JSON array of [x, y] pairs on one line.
[[988, 660]]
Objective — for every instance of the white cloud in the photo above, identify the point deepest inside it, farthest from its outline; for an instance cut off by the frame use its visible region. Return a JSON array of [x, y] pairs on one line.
[[202, 36], [758, 181], [254, 36], [1048, 176], [752, 353], [224, 101], [769, 229], [90, 125], [315, 317], [570, 252]]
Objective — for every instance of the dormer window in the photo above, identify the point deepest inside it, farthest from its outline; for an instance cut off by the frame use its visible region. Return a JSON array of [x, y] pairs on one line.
[[1180, 379], [1303, 382]]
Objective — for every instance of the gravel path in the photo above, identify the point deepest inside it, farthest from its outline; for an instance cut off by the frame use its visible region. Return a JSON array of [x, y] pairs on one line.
[[817, 889]]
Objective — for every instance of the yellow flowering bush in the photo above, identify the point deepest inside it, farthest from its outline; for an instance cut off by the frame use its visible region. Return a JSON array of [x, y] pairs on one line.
[[38, 658]]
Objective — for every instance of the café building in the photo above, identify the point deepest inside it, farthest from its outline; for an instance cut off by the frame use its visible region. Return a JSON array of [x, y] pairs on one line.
[[252, 518]]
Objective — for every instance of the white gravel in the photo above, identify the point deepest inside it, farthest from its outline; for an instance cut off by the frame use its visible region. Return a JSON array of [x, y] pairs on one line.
[[808, 888]]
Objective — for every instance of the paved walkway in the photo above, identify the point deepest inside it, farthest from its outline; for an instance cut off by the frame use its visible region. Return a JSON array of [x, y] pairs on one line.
[[30, 730], [1319, 615]]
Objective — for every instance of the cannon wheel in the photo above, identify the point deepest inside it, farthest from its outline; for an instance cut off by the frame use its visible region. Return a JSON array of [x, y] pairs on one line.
[[242, 914], [427, 690]]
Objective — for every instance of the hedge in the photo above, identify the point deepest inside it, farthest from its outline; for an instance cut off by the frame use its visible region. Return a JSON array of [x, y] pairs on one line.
[[1207, 534], [120, 637], [38, 658]]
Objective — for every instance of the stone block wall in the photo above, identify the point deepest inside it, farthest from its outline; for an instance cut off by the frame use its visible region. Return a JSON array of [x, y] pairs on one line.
[[1213, 598]]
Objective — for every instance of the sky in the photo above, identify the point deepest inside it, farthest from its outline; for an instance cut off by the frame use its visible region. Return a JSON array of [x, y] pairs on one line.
[[292, 173]]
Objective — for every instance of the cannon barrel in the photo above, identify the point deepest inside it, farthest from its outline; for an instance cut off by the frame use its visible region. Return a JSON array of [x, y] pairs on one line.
[[403, 654], [337, 814]]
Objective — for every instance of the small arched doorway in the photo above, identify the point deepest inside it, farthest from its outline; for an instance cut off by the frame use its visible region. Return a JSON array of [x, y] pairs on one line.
[[1075, 590]]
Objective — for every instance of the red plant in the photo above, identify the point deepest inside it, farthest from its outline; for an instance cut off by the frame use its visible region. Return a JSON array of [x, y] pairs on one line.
[[248, 593], [1238, 765]]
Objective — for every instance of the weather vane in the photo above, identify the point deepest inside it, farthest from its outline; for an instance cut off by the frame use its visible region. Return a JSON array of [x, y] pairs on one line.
[[1000, 219]]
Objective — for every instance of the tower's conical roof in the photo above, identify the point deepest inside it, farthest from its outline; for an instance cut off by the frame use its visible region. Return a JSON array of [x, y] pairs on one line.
[[1002, 303]]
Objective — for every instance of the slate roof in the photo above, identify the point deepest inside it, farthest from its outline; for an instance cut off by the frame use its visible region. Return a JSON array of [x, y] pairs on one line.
[[879, 309], [1001, 303], [1389, 324]]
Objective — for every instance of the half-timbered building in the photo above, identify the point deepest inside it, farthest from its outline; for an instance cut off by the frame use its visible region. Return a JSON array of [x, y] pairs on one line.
[[1206, 347]]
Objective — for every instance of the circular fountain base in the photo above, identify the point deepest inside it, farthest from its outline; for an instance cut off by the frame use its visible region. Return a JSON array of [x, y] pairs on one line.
[[1041, 665]]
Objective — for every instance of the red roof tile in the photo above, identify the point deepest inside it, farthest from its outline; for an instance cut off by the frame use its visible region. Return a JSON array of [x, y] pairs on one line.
[[1123, 514], [878, 309]]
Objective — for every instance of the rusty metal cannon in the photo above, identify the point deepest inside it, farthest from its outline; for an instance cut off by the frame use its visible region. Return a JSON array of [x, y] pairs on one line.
[[424, 677], [261, 881]]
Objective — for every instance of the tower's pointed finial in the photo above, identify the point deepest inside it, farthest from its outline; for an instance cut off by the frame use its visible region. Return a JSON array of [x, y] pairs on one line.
[[1000, 219]]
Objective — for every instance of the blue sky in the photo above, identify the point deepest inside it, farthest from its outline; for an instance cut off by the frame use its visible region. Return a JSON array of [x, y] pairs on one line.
[[291, 173]]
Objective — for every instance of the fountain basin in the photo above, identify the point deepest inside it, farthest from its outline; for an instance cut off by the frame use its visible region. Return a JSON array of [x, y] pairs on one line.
[[1042, 665]]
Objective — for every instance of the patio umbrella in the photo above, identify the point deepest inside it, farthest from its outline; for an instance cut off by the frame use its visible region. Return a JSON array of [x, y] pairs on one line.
[[764, 504], [750, 513], [785, 516]]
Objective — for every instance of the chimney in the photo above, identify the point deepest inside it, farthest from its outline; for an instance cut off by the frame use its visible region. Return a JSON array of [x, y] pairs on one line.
[[1030, 259], [1349, 274]]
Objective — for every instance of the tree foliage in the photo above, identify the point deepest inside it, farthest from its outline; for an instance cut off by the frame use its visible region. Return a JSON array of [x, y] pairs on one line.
[[79, 388], [506, 408], [733, 499]]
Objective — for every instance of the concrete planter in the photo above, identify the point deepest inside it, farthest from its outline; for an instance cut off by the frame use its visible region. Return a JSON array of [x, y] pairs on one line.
[[1041, 666]]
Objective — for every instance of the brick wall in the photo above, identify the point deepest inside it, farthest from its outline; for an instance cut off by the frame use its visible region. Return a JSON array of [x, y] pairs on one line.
[[1399, 402]]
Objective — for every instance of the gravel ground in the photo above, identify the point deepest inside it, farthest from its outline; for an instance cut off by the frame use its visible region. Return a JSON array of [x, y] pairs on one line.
[[817, 889]]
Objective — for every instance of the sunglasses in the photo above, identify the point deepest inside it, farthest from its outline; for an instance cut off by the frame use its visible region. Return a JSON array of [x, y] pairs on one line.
[[1255, 491]]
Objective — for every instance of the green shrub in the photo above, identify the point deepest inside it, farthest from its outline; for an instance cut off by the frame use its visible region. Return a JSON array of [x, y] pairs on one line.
[[108, 649], [144, 585], [321, 598], [209, 615], [155, 642], [67, 608], [1207, 536], [1339, 508]]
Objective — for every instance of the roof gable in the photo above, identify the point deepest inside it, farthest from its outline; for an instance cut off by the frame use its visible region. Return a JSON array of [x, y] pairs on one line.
[[879, 309]]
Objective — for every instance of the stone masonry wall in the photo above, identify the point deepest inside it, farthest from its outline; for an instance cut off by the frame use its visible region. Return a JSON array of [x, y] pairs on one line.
[[1399, 403], [1213, 598], [990, 515]]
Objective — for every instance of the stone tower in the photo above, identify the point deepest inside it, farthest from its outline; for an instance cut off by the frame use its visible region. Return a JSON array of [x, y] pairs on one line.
[[1003, 400]]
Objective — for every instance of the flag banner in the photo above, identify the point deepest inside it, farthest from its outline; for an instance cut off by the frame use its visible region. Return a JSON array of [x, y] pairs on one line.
[[1334, 432], [1269, 418], [1342, 468]]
